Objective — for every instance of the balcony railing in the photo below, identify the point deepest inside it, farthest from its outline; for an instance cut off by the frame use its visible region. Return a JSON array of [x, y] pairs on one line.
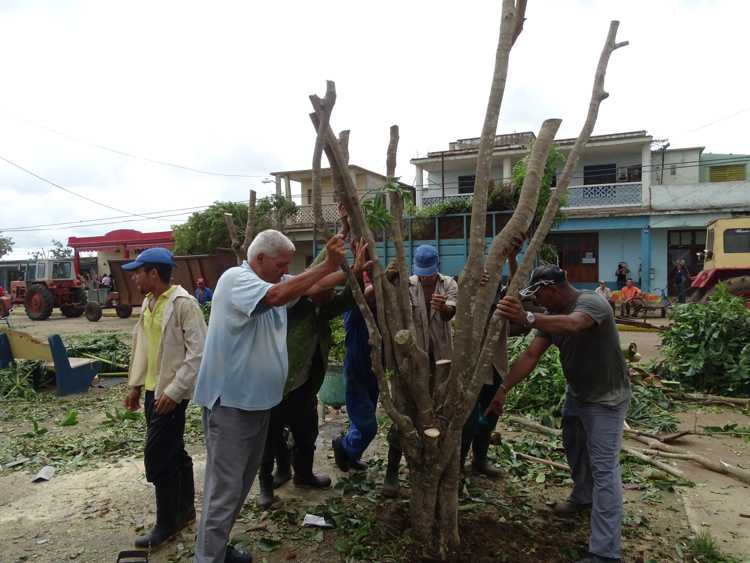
[[624, 194], [304, 216]]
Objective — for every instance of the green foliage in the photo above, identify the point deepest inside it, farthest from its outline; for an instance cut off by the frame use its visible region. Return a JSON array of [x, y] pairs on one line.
[[376, 214], [205, 231], [649, 409], [703, 549], [541, 393], [707, 346], [20, 379], [120, 416], [70, 419], [555, 159], [6, 245], [105, 346], [338, 345], [206, 310]]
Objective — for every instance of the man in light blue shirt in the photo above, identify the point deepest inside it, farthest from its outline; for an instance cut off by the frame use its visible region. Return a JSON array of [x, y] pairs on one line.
[[242, 376]]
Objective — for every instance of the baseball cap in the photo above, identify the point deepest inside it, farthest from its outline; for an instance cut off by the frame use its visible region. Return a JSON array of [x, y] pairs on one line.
[[150, 256], [426, 260], [543, 276]]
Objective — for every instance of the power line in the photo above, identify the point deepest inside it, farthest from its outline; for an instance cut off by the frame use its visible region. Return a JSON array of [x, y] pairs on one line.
[[63, 188], [144, 158], [166, 213]]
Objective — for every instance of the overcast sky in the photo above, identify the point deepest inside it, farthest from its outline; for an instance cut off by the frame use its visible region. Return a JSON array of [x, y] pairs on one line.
[[223, 86]]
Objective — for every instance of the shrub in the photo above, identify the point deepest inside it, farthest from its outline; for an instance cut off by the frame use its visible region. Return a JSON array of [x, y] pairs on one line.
[[707, 347]]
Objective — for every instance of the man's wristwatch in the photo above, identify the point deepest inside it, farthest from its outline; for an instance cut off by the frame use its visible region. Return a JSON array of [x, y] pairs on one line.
[[530, 318]]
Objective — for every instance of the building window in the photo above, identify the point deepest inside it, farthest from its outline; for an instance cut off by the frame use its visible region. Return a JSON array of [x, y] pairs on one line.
[[673, 170], [727, 173], [466, 184], [600, 174]]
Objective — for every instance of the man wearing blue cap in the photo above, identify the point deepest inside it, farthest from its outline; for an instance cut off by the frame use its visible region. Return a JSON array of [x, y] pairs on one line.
[[167, 348], [433, 301]]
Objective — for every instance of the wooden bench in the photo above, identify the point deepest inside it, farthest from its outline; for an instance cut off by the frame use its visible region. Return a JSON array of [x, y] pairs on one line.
[[644, 303], [72, 375]]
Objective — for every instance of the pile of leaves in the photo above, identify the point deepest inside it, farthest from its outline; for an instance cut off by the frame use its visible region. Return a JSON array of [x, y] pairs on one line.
[[707, 346], [21, 379], [102, 346], [542, 393]]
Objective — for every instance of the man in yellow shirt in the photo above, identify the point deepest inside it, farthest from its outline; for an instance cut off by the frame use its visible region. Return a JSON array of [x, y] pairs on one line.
[[167, 349]]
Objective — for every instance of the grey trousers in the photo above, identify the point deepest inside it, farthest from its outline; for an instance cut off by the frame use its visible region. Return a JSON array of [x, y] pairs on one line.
[[234, 447], [592, 435]]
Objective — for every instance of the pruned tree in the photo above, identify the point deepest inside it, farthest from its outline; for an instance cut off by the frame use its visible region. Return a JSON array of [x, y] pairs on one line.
[[240, 246], [430, 403]]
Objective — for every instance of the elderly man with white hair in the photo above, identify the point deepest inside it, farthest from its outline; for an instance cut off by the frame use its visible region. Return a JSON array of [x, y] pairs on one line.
[[242, 376]]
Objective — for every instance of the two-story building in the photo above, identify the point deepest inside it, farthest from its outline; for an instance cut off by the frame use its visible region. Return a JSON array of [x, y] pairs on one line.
[[631, 199]]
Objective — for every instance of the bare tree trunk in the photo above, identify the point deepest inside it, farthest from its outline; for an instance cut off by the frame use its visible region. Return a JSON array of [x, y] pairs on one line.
[[430, 419], [234, 241], [251, 222]]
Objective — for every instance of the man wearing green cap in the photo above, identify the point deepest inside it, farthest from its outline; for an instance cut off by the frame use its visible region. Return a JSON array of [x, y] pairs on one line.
[[581, 324], [167, 349]]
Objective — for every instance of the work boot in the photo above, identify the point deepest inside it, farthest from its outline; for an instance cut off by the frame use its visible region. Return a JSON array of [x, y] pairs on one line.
[[187, 495], [481, 464], [167, 509], [569, 508], [391, 485], [265, 498], [234, 555], [339, 454], [303, 473], [283, 466]]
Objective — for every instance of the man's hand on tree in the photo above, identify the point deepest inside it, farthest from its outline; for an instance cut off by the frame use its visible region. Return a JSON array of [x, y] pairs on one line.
[[511, 309], [497, 404], [335, 253], [361, 263], [132, 401], [438, 302]]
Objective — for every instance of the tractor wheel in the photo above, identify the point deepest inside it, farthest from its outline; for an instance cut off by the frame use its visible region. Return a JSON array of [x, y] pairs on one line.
[[124, 311], [39, 302], [93, 312], [72, 311], [739, 286]]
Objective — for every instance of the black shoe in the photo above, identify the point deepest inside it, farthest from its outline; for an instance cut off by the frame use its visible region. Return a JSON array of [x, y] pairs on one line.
[[484, 467], [234, 555], [167, 512], [598, 559], [312, 480], [569, 508], [265, 498], [303, 472], [339, 455], [358, 465]]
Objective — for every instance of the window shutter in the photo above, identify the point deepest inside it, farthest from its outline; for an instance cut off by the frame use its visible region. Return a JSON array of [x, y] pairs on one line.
[[727, 173]]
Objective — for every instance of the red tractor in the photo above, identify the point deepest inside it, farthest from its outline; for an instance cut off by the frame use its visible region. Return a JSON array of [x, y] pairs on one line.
[[48, 284]]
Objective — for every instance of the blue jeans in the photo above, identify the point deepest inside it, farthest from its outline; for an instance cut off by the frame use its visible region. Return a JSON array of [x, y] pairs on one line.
[[592, 436], [361, 403]]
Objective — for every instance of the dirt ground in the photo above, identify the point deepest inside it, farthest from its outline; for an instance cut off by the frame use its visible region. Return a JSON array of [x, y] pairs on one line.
[[92, 513], [58, 324]]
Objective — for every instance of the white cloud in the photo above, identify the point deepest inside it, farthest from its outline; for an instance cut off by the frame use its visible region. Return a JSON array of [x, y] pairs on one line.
[[223, 86]]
